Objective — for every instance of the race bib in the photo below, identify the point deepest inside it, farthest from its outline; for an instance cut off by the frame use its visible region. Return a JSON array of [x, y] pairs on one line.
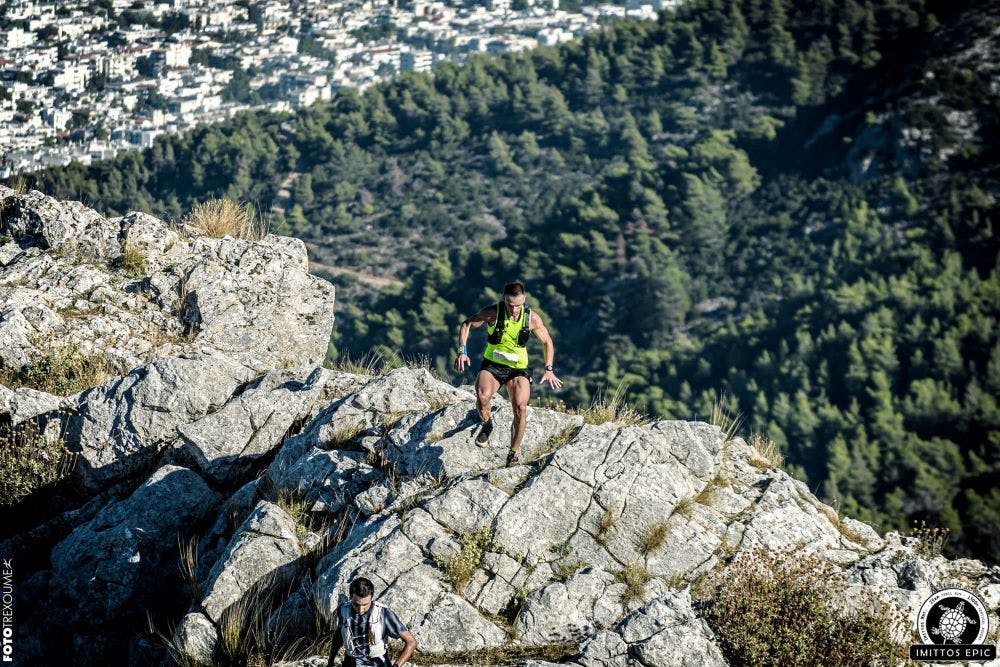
[[500, 355]]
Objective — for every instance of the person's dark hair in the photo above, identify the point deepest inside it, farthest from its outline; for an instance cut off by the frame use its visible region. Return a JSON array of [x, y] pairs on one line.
[[362, 587], [513, 289]]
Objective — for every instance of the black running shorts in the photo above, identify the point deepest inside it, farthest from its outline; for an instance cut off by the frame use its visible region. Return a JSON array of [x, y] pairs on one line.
[[504, 374]]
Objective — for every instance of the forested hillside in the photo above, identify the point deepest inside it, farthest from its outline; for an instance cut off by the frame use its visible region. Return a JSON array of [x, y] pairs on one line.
[[792, 204]]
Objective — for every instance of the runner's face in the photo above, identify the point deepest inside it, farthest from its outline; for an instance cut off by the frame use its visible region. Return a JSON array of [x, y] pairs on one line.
[[361, 605], [514, 304]]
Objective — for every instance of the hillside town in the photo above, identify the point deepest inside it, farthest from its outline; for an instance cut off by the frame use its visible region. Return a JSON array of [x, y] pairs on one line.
[[82, 80]]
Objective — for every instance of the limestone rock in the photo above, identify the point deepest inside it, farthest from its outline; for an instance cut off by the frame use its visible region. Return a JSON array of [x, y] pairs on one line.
[[264, 549], [226, 442], [106, 566], [197, 638], [121, 426], [64, 282], [666, 632], [24, 403]]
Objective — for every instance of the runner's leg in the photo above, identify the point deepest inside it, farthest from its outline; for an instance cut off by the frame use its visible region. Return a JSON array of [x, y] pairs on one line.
[[519, 390], [486, 387]]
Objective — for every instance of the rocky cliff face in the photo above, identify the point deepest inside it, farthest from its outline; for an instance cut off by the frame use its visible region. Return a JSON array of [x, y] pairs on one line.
[[226, 488]]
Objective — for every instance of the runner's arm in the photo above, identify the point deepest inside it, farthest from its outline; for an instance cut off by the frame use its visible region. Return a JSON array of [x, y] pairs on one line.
[[484, 316], [550, 350], [538, 327], [408, 649]]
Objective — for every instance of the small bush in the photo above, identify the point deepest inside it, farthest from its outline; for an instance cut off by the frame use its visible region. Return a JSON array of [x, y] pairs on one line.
[[635, 576], [224, 217], [930, 541], [62, 372], [778, 609], [460, 567], [29, 461]]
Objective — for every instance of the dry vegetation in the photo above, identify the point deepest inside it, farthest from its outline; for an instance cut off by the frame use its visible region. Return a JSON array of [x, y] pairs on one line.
[[780, 609], [224, 217], [62, 372], [29, 461]]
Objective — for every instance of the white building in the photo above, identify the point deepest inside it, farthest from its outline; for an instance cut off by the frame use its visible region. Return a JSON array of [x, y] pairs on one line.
[[57, 118], [16, 38], [176, 55], [72, 78]]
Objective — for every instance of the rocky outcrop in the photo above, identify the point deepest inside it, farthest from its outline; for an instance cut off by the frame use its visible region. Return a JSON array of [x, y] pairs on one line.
[[233, 486], [65, 282]]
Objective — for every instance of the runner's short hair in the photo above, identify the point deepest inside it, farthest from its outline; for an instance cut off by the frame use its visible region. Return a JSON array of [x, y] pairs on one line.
[[513, 289], [362, 587]]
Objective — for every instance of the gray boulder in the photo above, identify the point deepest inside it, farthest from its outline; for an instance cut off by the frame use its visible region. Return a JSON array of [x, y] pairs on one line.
[[122, 426], [666, 632], [225, 443], [264, 551], [105, 567]]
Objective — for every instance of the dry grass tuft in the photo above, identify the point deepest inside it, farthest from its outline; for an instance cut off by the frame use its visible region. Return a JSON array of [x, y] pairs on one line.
[[614, 410], [189, 566], [685, 505], [224, 217], [729, 422], [635, 576], [765, 452], [655, 537], [606, 523], [19, 184], [133, 262]]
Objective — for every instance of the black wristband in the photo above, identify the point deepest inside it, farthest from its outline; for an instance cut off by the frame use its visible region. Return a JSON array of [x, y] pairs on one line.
[[548, 367]]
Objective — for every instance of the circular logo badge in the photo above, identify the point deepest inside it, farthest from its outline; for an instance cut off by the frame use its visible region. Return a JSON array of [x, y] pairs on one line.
[[953, 616]]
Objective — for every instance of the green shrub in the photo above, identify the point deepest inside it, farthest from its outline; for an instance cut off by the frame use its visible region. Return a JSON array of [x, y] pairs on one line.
[[778, 609], [460, 567]]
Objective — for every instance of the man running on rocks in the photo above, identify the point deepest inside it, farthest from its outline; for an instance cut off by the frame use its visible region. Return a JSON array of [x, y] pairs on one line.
[[509, 324], [363, 627]]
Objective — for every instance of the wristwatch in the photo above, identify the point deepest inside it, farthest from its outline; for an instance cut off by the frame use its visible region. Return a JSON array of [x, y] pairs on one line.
[[548, 367]]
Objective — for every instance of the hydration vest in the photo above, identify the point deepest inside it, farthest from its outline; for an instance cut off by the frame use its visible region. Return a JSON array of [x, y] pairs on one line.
[[512, 351], [376, 643]]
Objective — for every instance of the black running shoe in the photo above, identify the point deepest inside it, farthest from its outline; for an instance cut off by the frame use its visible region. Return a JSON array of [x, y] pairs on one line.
[[513, 457], [484, 432]]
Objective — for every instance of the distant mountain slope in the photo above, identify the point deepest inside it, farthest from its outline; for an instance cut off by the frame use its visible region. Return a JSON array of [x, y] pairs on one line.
[[790, 203]]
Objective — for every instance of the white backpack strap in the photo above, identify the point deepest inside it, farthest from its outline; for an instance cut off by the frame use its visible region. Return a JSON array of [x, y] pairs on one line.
[[377, 647], [344, 610]]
